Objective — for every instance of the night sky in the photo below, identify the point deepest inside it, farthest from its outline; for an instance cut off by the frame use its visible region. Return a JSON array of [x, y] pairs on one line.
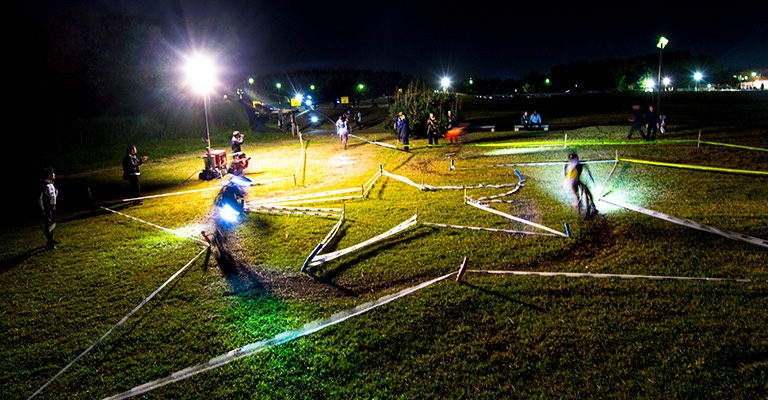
[[477, 38]]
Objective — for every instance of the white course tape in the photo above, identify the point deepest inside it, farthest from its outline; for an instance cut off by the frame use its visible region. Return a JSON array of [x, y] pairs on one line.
[[305, 201], [104, 336], [499, 195], [391, 146], [302, 196], [537, 164], [285, 337], [476, 228], [402, 179], [275, 211], [512, 217], [371, 182], [429, 187], [281, 207], [156, 226], [319, 259], [689, 223], [332, 232], [610, 276]]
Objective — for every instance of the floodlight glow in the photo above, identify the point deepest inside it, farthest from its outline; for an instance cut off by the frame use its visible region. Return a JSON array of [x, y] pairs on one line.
[[201, 73], [698, 76], [667, 81], [662, 42], [228, 214], [299, 97], [445, 82], [278, 85], [313, 119]]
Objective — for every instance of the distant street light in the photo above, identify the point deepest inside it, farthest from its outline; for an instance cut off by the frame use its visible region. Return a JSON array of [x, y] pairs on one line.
[[662, 43], [697, 76], [445, 83]]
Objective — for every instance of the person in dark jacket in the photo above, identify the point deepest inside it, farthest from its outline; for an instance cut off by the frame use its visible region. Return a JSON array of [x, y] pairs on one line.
[[637, 122], [132, 174], [237, 141], [432, 128], [651, 124], [47, 202], [401, 126]]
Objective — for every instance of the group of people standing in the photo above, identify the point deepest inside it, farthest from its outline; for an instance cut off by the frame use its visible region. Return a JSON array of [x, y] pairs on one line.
[[650, 120], [432, 127]]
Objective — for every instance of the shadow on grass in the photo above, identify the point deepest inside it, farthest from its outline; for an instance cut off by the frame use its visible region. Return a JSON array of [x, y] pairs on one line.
[[505, 297], [241, 278], [18, 259]]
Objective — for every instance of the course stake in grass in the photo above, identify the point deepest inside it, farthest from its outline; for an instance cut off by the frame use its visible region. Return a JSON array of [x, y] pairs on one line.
[[462, 269]]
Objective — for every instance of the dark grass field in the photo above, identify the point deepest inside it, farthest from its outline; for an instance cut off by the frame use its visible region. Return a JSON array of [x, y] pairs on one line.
[[491, 336]]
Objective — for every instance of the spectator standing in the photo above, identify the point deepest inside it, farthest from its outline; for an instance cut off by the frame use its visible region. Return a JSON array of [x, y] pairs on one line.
[[359, 120], [47, 202], [132, 174], [237, 141], [525, 120], [401, 126], [651, 124], [432, 128], [637, 122]]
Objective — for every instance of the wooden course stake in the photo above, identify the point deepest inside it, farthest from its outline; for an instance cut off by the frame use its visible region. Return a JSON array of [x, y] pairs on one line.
[[461, 270]]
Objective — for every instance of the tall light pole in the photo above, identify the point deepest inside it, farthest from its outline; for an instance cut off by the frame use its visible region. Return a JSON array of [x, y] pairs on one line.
[[201, 75], [662, 43]]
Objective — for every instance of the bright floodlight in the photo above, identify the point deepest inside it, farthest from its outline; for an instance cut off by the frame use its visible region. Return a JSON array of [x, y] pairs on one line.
[[201, 73], [662, 42], [698, 76], [445, 82], [666, 81]]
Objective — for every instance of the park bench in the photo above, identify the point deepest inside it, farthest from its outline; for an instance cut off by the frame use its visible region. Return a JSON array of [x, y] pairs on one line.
[[543, 127]]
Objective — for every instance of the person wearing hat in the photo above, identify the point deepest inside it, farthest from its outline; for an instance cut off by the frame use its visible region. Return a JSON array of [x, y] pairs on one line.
[[237, 140], [47, 202]]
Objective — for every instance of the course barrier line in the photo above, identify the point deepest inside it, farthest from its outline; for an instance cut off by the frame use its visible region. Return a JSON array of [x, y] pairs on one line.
[[582, 143], [601, 192], [609, 276], [695, 167], [319, 259], [391, 146], [303, 196], [288, 212], [156, 226], [125, 318], [494, 197], [429, 187], [370, 183], [477, 228], [734, 145], [512, 217], [321, 200], [543, 163], [402, 179], [192, 191], [688, 223], [282, 338], [281, 207]]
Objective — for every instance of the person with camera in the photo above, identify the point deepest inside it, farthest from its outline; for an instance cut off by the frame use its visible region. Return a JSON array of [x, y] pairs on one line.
[[132, 174]]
